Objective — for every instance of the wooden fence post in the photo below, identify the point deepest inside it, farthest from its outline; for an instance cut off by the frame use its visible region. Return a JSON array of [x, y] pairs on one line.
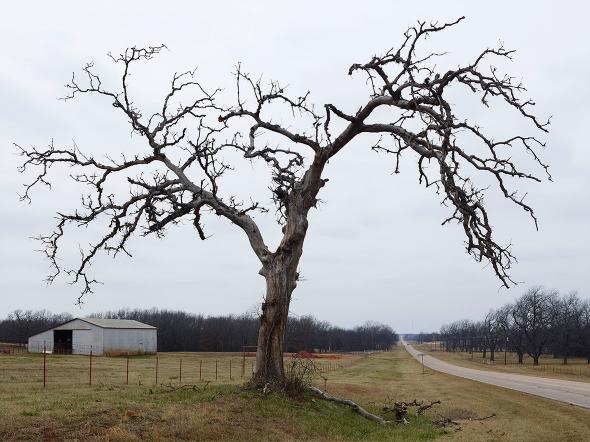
[[90, 369], [127, 378], [180, 373], [44, 366], [157, 370], [215, 369]]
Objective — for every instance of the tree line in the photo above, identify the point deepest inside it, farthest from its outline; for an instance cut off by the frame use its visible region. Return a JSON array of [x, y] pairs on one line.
[[182, 331], [540, 322]]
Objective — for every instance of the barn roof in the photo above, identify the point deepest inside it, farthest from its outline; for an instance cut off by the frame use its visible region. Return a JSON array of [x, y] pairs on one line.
[[116, 323], [106, 323]]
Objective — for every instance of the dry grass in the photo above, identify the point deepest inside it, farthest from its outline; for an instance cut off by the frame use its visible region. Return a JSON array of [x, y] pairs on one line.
[[119, 412], [577, 369], [26, 370], [519, 416]]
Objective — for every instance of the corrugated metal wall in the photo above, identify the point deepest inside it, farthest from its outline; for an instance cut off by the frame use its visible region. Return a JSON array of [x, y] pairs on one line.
[[132, 341], [109, 341]]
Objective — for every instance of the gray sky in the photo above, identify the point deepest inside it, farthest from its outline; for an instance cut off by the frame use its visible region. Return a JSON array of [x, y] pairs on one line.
[[375, 250]]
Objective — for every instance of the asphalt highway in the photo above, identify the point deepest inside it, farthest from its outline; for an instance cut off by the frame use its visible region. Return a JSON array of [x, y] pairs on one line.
[[570, 392]]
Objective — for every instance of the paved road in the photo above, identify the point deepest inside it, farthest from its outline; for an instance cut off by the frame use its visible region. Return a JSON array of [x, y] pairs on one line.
[[571, 392]]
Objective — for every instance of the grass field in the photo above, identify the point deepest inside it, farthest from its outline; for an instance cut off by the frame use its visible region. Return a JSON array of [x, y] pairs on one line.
[[25, 371], [577, 369], [117, 411]]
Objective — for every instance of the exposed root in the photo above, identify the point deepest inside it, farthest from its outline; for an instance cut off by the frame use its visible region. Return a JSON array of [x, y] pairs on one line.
[[356, 407]]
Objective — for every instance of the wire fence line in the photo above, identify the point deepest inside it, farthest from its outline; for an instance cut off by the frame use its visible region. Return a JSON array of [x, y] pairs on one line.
[[23, 370], [574, 367]]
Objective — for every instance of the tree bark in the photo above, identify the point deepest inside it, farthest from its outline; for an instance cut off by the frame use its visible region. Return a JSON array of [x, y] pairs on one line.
[[280, 283], [535, 359], [281, 279], [520, 357]]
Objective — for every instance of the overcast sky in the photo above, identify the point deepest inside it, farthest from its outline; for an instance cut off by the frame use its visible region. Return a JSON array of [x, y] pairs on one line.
[[375, 249]]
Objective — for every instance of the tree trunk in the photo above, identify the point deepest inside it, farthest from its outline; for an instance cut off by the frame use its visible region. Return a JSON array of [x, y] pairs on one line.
[[491, 354], [281, 279], [535, 359], [280, 272], [520, 356]]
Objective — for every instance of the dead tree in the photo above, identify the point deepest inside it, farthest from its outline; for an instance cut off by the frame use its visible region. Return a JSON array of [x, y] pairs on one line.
[[187, 141]]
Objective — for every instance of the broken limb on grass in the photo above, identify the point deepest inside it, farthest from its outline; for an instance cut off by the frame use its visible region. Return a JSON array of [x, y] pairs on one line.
[[356, 407], [192, 387], [401, 408]]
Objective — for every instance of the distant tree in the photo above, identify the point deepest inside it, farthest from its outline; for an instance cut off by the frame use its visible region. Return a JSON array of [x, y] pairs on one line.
[[583, 328], [513, 336], [21, 324], [192, 137], [566, 312], [533, 316], [492, 332]]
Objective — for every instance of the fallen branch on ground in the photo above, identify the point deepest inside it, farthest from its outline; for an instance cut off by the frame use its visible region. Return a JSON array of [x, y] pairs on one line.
[[401, 408], [356, 407], [192, 387], [482, 418]]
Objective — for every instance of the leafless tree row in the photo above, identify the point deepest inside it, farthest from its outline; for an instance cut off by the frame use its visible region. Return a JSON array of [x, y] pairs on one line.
[[182, 331], [541, 321]]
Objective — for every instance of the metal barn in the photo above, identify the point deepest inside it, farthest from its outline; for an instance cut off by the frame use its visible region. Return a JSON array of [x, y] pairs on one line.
[[109, 337]]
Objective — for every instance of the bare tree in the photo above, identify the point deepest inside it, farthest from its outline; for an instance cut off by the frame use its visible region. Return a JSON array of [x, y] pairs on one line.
[[492, 332], [583, 328], [533, 315], [566, 312], [407, 109], [513, 336]]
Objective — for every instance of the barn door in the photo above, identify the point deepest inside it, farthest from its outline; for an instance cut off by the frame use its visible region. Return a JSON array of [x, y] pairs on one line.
[[62, 342]]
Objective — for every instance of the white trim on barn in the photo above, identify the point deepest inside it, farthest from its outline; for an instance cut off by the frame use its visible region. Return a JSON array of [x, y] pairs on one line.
[[107, 337]]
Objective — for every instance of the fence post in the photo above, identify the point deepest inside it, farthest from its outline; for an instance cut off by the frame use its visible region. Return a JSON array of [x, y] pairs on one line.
[[90, 369], [44, 366], [215, 369], [156, 370], [127, 378], [180, 373], [200, 370], [230, 370]]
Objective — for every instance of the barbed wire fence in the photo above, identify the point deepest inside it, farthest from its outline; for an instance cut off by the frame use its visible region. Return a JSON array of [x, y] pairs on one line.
[[45, 368]]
